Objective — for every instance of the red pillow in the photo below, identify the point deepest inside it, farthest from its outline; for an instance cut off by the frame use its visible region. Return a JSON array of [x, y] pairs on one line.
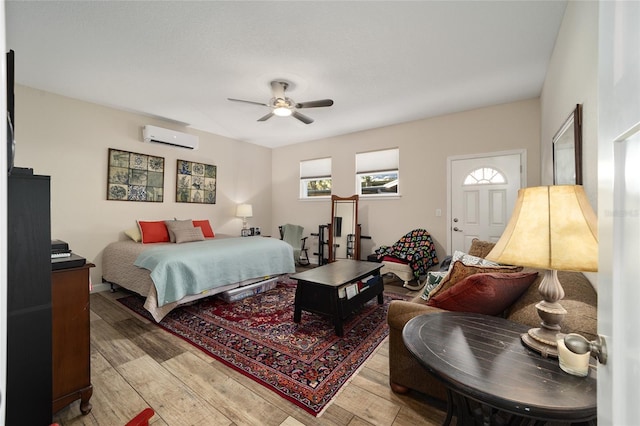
[[488, 293], [154, 231], [207, 231], [394, 260]]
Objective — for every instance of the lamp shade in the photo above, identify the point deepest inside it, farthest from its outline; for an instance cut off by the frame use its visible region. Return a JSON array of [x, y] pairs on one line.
[[244, 210], [552, 227]]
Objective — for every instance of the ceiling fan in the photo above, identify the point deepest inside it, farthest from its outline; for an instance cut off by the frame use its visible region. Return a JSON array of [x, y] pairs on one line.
[[283, 107]]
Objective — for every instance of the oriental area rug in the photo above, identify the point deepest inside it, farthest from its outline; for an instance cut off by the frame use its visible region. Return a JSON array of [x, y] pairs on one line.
[[306, 363]]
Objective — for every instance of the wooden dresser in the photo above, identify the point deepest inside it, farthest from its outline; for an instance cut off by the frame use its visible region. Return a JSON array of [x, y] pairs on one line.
[[71, 347]]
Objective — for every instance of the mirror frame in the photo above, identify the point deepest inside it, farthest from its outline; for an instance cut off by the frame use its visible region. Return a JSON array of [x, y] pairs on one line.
[[356, 250], [564, 154]]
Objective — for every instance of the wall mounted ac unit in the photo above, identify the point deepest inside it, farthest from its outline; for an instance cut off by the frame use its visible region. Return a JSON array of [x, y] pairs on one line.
[[169, 137]]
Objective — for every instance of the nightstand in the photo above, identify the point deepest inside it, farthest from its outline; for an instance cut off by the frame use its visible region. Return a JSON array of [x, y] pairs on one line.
[[71, 346]]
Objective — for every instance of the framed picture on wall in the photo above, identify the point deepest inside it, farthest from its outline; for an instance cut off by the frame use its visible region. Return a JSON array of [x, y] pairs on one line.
[[567, 150], [195, 182], [132, 176]]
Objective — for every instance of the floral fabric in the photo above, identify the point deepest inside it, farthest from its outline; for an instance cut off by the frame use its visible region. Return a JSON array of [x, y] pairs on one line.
[[416, 249]]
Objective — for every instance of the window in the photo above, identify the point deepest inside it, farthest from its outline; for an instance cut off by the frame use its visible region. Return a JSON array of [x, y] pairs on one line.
[[377, 173], [315, 178], [484, 176]]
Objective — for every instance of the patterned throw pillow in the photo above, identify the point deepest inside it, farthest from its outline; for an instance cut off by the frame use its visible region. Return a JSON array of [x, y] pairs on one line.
[[468, 259], [460, 271], [432, 280]]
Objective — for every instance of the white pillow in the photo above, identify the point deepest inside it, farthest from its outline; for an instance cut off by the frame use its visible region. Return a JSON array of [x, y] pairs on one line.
[[469, 260], [134, 234]]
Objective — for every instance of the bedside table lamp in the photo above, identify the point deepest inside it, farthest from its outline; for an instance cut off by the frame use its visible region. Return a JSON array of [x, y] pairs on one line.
[[552, 228], [244, 211]]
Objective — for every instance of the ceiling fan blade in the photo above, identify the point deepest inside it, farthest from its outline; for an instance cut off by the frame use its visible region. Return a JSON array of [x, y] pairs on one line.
[[302, 117], [266, 117], [248, 102], [315, 104]]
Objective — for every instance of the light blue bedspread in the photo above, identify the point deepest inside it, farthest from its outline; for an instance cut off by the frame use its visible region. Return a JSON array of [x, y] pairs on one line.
[[178, 270]]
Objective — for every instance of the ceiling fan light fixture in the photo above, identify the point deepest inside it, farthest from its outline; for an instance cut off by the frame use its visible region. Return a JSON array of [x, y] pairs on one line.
[[283, 106], [282, 111]]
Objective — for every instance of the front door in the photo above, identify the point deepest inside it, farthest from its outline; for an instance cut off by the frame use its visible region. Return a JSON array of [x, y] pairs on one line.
[[483, 192]]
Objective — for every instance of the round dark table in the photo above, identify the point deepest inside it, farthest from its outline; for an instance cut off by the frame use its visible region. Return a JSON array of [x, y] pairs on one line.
[[481, 358]]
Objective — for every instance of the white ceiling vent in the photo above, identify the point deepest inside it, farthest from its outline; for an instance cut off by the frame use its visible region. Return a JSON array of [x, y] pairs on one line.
[[169, 137]]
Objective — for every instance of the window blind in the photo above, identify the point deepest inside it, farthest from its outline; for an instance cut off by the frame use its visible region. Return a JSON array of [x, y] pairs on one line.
[[315, 169], [378, 161]]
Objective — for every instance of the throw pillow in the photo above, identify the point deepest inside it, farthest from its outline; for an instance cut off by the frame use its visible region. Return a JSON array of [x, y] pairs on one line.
[[187, 235], [207, 231], [134, 234], [432, 280], [174, 225], [480, 248], [460, 271], [153, 231], [468, 259], [487, 293]]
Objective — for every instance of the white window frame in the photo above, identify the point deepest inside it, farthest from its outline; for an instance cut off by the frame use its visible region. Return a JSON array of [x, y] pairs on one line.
[[374, 163], [314, 170]]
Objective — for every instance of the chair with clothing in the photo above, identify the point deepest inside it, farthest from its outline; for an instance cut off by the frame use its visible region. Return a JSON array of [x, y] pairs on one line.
[[292, 234], [409, 258]]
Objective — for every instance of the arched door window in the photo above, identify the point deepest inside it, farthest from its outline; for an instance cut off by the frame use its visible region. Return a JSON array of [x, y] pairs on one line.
[[484, 176]]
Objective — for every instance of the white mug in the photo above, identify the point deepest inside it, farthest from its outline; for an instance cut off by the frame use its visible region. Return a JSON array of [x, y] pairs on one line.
[[572, 363]]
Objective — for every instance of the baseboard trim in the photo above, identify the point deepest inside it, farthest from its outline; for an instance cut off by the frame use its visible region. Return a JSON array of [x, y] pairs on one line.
[[98, 288]]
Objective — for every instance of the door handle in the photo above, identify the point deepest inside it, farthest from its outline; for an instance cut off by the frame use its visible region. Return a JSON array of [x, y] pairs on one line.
[[457, 229]]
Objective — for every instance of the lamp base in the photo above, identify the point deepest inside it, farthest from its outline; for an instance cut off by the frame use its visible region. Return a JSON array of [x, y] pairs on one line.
[[542, 341]]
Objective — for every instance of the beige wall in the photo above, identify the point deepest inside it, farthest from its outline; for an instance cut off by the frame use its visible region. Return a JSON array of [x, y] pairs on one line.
[[572, 78], [424, 147], [69, 140]]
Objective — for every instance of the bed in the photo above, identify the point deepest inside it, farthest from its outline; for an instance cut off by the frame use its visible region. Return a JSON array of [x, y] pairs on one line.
[[170, 274]]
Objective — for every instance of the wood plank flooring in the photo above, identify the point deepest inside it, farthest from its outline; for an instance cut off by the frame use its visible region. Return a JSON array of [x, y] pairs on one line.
[[135, 365]]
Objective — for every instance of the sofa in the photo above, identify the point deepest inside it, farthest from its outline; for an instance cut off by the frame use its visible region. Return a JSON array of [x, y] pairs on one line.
[[405, 373]]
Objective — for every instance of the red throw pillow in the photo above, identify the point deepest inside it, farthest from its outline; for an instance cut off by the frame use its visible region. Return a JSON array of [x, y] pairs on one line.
[[153, 231], [488, 293], [207, 231], [394, 260]]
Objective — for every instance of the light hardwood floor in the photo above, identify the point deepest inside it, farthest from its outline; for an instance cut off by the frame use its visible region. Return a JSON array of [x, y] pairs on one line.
[[135, 364]]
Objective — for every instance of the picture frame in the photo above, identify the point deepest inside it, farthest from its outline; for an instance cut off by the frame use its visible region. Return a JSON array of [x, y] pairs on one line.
[[196, 182], [133, 176], [567, 150]]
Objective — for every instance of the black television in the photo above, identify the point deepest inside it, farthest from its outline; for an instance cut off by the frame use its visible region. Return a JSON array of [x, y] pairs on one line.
[[11, 121]]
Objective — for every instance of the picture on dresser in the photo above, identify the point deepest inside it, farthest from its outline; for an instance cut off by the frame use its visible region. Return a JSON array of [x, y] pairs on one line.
[[132, 176], [195, 182]]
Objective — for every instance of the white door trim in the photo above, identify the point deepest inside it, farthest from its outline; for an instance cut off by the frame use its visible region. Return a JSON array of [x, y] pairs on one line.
[[523, 178]]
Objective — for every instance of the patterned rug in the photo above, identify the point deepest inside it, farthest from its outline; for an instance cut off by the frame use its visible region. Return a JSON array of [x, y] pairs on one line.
[[305, 363]]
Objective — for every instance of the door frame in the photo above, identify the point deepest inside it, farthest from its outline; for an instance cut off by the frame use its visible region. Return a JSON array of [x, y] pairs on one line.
[[523, 178]]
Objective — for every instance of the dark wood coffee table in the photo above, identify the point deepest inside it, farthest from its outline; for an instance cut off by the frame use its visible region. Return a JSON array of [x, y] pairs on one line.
[[320, 289], [481, 358]]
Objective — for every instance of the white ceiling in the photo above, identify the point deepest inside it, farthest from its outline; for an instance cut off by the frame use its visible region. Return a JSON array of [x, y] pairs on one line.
[[381, 62]]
